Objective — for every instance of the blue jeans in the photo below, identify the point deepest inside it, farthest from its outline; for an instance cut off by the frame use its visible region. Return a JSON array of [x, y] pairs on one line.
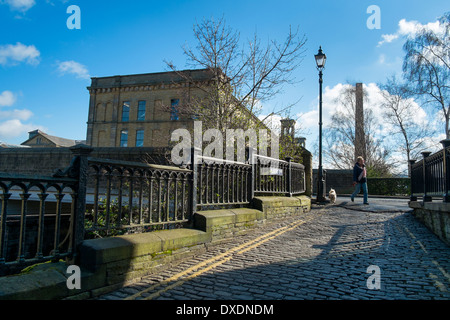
[[358, 188]]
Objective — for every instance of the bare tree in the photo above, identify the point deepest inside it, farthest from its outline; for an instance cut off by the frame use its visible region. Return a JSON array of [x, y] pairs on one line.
[[427, 66], [401, 112], [243, 77], [340, 137]]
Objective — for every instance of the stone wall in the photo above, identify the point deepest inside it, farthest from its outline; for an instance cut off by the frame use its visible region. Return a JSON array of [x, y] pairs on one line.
[[108, 263], [435, 216], [45, 161], [339, 180]]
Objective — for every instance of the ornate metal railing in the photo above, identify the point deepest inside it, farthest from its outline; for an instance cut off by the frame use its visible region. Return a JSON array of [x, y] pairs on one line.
[[221, 182], [274, 176], [430, 177], [131, 195], [35, 219], [47, 218]]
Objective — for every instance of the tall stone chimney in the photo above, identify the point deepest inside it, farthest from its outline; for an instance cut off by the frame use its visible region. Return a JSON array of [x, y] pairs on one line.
[[360, 141]]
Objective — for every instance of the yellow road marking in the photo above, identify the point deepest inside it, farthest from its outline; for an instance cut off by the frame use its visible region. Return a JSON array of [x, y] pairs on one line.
[[442, 270], [226, 256], [270, 238], [438, 284], [421, 245], [202, 264]]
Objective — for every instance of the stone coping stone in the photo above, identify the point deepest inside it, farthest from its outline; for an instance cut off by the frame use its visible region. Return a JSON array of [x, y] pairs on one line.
[[96, 252], [432, 206], [206, 220], [263, 202], [43, 281]]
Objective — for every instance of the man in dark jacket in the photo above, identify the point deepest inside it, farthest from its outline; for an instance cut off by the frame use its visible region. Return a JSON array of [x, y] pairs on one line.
[[360, 179]]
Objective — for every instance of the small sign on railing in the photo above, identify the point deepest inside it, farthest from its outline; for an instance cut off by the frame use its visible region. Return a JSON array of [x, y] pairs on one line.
[[271, 171]]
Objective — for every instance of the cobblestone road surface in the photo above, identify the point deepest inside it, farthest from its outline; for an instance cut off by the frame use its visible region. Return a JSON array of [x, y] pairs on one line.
[[323, 254]]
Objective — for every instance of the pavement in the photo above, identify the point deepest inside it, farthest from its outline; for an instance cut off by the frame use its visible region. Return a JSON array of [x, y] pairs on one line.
[[384, 204], [341, 251]]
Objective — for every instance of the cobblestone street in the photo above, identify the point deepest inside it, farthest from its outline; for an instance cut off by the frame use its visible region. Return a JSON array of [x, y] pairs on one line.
[[323, 254]]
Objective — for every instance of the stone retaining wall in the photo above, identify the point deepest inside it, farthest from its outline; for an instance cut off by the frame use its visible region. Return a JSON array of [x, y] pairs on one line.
[[109, 263], [435, 216]]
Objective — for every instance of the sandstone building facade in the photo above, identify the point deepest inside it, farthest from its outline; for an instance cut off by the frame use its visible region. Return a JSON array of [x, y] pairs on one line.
[[142, 110], [138, 110]]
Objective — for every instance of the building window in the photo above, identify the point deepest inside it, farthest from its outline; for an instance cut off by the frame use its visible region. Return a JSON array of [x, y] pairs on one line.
[[124, 138], [174, 109], [141, 111], [126, 111], [139, 138]]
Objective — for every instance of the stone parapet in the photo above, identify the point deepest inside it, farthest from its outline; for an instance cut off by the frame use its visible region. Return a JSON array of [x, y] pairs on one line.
[[435, 216]]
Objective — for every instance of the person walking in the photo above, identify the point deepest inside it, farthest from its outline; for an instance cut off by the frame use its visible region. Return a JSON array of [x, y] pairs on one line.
[[360, 179]]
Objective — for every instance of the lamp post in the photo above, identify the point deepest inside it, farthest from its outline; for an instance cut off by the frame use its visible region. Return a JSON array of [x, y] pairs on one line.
[[320, 61]]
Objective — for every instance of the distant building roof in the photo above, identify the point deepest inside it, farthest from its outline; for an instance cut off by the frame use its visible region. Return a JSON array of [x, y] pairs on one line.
[[9, 145], [58, 141]]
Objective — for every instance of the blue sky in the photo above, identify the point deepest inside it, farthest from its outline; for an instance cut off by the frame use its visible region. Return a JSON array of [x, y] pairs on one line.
[[136, 36]]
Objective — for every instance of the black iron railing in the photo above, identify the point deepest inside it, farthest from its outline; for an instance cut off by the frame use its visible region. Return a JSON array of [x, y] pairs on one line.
[[430, 177], [46, 218], [131, 195], [221, 182], [274, 176], [35, 219]]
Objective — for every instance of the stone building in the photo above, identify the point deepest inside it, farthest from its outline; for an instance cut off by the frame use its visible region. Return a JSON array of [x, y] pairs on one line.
[[142, 110]]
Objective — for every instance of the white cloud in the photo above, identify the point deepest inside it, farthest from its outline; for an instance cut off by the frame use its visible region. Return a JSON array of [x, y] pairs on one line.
[[387, 38], [73, 67], [14, 128], [15, 122], [19, 5], [51, 2], [308, 120], [7, 99], [409, 29], [12, 54], [23, 114]]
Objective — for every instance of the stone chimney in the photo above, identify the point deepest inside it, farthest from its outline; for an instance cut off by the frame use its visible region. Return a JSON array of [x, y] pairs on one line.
[[360, 141]]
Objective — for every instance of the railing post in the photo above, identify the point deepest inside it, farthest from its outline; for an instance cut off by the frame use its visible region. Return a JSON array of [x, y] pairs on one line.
[[195, 152], [412, 197], [4, 197], [80, 172], [426, 198], [446, 168], [289, 177], [252, 176]]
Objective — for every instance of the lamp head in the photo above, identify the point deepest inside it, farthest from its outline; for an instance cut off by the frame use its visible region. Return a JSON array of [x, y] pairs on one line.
[[320, 59]]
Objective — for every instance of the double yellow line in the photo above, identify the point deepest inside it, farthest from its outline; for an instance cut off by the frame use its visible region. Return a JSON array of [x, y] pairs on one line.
[[204, 266], [446, 275]]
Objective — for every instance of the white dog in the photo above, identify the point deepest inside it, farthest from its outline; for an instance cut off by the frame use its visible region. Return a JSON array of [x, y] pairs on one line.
[[332, 195]]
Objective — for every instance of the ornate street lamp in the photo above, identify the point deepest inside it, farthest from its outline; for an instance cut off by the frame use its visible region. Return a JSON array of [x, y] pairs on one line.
[[320, 61]]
